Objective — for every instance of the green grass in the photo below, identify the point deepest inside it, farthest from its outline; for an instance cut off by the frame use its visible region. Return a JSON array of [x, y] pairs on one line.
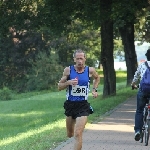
[[36, 121], [120, 76], [27, 121]]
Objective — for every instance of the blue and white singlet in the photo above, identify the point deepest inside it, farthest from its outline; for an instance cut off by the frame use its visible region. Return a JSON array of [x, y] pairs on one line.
[[81, 90]]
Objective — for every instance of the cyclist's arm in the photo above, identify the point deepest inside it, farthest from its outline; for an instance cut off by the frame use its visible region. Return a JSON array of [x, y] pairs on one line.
[[137, 76]]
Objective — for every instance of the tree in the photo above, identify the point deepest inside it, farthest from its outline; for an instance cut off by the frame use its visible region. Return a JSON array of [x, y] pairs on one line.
[[107, 59], [19, 40], [124, 14], [127, 34], [142, 27], [28, 27]]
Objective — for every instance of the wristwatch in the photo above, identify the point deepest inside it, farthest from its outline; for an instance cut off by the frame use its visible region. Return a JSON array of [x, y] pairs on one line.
[[95, 89]]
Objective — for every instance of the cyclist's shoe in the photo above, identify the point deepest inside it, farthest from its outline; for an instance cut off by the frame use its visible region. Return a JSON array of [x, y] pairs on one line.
[[137, 136]]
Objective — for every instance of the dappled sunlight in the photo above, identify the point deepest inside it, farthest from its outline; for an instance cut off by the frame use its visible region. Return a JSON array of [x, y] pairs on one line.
[[21, 136], [34, 122], [111, 127], [43, 96], [23, 114], [112, 123], [121, 120], [130, 111], [129, 105]]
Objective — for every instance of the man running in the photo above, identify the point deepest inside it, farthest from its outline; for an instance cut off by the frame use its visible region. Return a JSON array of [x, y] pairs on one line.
[[76, 81]]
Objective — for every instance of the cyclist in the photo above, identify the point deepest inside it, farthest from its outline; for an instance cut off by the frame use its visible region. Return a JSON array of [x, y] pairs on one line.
[[141, 97], [75, 80]]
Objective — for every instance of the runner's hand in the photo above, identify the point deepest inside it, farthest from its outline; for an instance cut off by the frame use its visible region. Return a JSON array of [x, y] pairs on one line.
[[95, 94], [73, 82]]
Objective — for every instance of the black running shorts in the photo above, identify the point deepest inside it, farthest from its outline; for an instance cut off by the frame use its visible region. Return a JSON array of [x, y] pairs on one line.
[[77, 108]]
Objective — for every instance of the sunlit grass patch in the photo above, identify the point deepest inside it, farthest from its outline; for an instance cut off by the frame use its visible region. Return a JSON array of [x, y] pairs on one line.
[[51, 131]]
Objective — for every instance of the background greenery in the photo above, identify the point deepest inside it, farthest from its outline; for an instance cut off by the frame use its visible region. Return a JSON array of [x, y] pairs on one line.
[[46, 32]]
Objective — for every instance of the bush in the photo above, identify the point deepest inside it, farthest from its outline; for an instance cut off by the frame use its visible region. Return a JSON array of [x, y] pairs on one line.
[[5, 94], [45, 72]]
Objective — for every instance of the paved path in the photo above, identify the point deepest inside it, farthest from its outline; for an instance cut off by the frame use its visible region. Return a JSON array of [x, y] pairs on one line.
[[114, 132]]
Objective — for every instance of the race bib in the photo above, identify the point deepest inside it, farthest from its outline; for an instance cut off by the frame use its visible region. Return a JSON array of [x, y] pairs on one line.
[[78, 90]]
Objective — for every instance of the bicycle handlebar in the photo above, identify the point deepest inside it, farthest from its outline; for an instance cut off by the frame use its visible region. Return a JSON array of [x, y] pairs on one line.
[[137, 87], [134, 87]]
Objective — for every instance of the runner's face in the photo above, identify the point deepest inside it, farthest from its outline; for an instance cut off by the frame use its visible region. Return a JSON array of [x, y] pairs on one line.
[[79, 59]]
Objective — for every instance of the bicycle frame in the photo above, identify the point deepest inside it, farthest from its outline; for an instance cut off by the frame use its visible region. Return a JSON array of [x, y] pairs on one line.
[[146, 120], [146, 123]]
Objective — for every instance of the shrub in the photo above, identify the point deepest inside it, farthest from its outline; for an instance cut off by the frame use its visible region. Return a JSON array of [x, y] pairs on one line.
[[5, 94], [45, 72]]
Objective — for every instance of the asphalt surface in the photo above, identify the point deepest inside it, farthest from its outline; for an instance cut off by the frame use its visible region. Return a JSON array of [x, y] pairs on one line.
[[114, 132]]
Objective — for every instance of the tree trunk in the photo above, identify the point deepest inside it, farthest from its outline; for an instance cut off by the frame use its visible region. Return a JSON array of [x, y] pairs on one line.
[[127, 34], [107, 58]]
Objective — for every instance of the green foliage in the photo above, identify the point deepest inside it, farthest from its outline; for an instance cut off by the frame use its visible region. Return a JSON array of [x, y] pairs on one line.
[[121, 76], [5, 94], [142, 32], [125, 11], [45, 72], [78, 35], [118, 50], [70, 24]]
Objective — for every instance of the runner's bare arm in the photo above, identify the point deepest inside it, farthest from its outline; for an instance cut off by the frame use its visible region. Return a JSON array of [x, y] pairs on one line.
[[96, 77], [63, 83]]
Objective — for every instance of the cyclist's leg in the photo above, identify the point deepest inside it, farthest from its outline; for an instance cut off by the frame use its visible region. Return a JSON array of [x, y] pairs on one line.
[[141, 101]]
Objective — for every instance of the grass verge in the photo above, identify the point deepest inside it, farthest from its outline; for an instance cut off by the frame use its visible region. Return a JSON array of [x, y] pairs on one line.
[[37, 122]]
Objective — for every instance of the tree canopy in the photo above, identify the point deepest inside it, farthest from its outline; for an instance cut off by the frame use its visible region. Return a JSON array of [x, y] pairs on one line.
[[29, 28]]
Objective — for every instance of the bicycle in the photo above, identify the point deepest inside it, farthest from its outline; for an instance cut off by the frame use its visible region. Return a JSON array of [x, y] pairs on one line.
[[146, 121]]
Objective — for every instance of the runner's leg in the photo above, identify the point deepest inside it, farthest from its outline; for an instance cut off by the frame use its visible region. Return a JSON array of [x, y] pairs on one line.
[[79, 127], [70, 123]]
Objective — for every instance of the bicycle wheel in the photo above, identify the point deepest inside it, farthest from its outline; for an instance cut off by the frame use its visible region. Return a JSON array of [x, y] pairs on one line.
[[147, 131], [142, 135], [146, 137]]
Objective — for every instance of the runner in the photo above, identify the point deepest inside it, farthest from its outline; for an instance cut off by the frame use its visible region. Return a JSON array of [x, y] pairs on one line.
[[76, 81]]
